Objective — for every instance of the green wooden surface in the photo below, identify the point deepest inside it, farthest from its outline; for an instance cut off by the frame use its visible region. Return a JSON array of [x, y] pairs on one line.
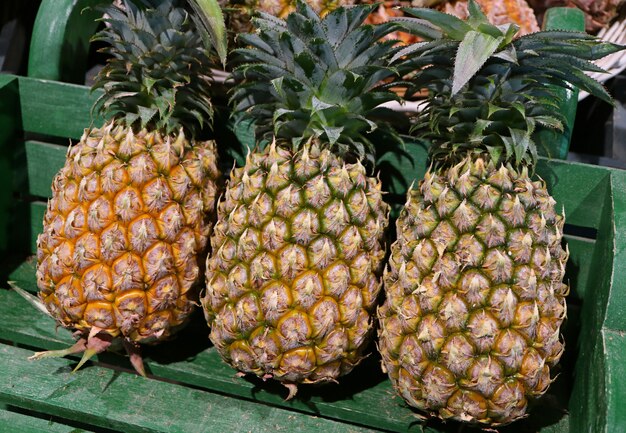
[[578, 187], [101, 397], [616, 286], [364, 397], [35, 213], [60, 39], [15, 422], [597, 395], [44, 161], [56, 109], [190, 360], [557, 144], [614, 345]]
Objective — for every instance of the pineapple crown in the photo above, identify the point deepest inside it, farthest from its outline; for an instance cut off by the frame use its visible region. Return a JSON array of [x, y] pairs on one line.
[[489, 91], [310, 78], [156, 76]]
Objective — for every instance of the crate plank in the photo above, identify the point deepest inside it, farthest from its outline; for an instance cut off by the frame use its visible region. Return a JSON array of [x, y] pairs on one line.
[[44, 161], [21, 423], [205, 369], [589, 391], [37, 210], [100, 396], [614, 344], [352, 401], [616, 313], [579, 188], [56, 109], [579, 273]]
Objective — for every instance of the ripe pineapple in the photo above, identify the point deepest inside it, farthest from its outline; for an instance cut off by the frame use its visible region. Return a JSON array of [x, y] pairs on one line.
[[474, 288], [240, 11], [133, 206], [297, 250], [498, 12]]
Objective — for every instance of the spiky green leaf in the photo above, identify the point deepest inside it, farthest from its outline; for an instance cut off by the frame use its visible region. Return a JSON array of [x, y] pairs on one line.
[[308, 77], [474, 50], [449, 25]]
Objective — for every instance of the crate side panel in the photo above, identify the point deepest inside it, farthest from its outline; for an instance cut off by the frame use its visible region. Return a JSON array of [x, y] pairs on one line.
[[10, 125], [21, 423], [152, 406], [616, 309], [579, 189], [190, 359], [36, 212], [588, 401], [578, 273], [56, 109], [614, 344], [44, 160]]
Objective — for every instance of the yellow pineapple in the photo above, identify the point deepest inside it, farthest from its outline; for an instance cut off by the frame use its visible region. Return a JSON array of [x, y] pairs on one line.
[[132, 208]]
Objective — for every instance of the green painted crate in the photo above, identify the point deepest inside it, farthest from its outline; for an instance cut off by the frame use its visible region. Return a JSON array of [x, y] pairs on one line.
[[190, 390]]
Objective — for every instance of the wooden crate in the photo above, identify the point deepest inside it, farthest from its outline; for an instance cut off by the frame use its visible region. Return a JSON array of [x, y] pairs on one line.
[[189, 389]]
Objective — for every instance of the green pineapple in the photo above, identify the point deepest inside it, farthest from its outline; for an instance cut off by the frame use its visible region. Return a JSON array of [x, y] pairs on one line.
[[132, 208], [297, 251], [475, 298]]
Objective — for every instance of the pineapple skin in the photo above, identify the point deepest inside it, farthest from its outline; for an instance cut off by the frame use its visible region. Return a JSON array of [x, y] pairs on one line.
[[129, 218], [474, 294], [294, 273]]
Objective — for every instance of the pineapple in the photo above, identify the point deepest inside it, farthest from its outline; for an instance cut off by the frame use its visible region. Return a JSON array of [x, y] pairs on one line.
[[298, 247], [239, 12], [133, 206], [470, 328], [499, 12]]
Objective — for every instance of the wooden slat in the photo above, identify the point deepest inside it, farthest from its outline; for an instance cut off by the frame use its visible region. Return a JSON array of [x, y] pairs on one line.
[[44, 160], [37, 211], [57, 109], [127, 402], [616, 303], [589, 387], [188, 359], [580, 188], [579, 273], [613, 406], [20, 423]]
